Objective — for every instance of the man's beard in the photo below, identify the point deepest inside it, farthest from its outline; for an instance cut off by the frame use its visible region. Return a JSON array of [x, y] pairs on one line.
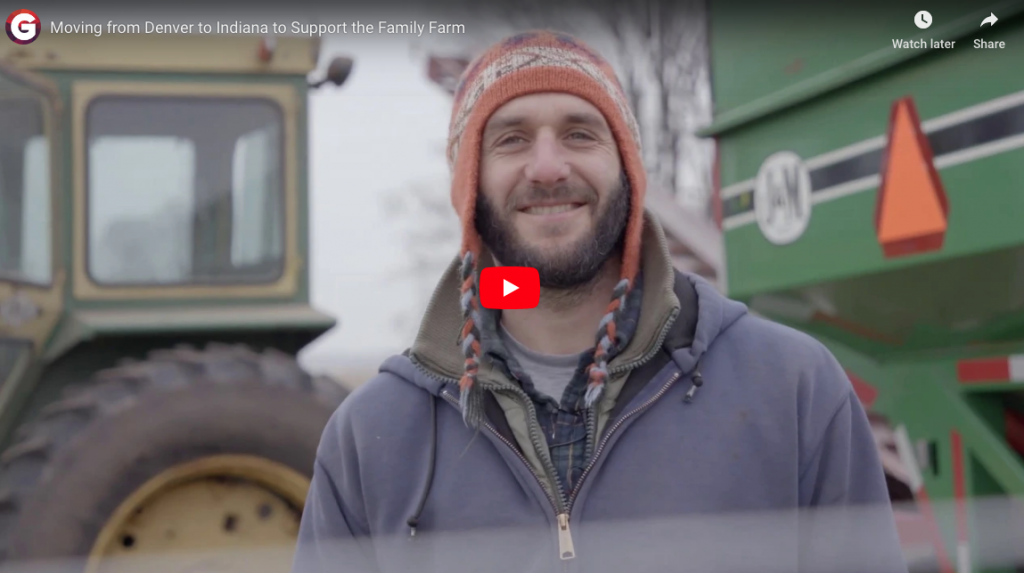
[[573, 266]]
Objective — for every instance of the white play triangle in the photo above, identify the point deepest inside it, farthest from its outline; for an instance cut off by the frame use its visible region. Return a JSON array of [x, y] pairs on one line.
[[508, 287]]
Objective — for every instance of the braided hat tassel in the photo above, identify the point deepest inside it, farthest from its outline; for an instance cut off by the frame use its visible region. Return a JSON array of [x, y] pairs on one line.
[[470, 397], [607, 344]]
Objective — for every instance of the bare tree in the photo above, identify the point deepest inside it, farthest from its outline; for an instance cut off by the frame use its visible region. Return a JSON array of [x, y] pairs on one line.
[[430, 233]]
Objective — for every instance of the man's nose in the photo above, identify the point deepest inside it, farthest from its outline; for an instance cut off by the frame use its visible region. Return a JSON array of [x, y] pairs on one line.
[[548, 163]]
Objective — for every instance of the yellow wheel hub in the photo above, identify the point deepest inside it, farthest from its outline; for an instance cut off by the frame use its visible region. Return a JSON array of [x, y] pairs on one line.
[[220, 514]]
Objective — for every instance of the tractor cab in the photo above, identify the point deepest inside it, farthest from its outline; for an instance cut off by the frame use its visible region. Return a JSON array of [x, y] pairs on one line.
[[154, 291]]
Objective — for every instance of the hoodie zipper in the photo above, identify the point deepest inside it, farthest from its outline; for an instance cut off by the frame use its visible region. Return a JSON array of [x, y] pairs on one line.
[[563, 508], [455, 402], [673, 315], [611, 431], [592, 413], [566, 549], [565, 545]]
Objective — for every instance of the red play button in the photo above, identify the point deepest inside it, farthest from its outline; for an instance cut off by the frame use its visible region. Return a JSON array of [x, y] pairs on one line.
[[509, 287]]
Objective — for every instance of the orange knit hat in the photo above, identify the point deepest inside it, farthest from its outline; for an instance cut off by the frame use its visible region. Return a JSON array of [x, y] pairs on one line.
[[534, 62]]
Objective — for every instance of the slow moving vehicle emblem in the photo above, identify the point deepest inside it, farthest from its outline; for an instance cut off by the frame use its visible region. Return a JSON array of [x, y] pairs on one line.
[[912, 210]]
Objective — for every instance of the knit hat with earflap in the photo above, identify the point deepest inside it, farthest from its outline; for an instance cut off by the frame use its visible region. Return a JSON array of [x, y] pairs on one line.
[[527, 63]]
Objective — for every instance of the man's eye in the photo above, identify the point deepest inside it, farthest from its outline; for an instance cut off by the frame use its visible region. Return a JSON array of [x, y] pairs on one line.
[[580, 135], [510, 139]]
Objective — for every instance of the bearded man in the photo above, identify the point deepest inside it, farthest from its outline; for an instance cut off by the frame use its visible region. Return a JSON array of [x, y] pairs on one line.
[[617, 425]]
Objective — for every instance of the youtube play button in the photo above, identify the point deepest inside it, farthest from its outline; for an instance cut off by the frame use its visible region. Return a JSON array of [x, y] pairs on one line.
[[509, 287]]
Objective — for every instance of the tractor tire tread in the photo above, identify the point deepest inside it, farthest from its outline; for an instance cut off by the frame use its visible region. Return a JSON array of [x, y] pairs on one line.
[[25, 464]]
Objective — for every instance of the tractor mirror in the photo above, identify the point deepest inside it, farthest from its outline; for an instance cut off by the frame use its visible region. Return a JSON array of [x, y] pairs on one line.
[[337, 72]]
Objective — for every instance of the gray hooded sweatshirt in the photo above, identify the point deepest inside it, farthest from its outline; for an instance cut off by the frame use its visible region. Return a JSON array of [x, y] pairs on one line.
[[726, 442]]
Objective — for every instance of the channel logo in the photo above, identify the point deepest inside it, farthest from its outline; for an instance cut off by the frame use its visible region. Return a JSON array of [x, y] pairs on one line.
[[23, 27]]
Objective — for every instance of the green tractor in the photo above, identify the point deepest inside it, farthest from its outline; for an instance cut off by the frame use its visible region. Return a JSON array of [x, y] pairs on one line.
[[871, 193], [154, 292]]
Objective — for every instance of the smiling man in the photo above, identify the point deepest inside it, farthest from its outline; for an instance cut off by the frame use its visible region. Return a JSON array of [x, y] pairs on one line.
[[605, 428], [554, 196]]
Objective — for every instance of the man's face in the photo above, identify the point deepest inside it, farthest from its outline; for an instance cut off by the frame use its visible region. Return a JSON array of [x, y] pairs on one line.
[[552, 191]]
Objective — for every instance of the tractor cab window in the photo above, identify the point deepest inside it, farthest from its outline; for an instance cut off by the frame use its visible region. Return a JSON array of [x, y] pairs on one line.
[[25, 248], [184, 191]]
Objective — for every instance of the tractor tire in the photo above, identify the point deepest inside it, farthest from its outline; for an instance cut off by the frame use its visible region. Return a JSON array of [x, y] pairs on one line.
[[72, 468]]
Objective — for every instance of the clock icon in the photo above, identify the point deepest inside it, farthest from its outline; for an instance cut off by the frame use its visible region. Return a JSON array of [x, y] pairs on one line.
[[923, 19]]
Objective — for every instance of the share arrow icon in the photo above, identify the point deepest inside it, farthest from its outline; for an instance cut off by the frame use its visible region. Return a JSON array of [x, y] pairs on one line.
[[990, 20]]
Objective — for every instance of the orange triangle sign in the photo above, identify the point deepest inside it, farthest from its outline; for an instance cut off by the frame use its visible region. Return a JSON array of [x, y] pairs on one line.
[[912, 210]]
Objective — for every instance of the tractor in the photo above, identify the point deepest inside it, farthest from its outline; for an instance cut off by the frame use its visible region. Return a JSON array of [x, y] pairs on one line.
[[154, 294], [871, 195]]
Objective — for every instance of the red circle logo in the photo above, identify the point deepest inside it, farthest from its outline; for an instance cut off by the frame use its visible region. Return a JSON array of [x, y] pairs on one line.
[[23, 27]]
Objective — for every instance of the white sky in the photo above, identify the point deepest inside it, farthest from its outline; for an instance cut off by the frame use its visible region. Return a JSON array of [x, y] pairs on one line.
[[382, 130]]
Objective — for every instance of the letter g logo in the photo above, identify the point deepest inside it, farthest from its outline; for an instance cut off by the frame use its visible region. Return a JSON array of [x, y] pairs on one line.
[[23, 27]]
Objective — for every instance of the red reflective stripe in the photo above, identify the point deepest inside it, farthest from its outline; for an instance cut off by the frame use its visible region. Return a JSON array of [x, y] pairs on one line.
[[865, 392], [945, 565], [1013, 423], [984, 370]]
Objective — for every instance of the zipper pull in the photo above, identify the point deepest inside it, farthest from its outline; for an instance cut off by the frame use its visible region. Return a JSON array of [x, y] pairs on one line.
[[565, 548]]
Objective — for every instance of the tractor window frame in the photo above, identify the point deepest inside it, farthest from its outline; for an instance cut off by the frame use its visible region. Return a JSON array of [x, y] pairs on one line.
[[286, 97], [43, 96], [276, 194]]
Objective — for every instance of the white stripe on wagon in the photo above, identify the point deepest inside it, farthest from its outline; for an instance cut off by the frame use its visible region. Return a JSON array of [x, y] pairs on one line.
[[863, 184], [1016, 368]]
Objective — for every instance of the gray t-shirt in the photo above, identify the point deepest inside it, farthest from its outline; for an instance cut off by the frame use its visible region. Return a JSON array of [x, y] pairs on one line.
[[550, 373]]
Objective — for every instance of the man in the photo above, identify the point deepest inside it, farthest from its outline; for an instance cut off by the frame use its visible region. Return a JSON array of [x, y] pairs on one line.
[[635, 420]]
